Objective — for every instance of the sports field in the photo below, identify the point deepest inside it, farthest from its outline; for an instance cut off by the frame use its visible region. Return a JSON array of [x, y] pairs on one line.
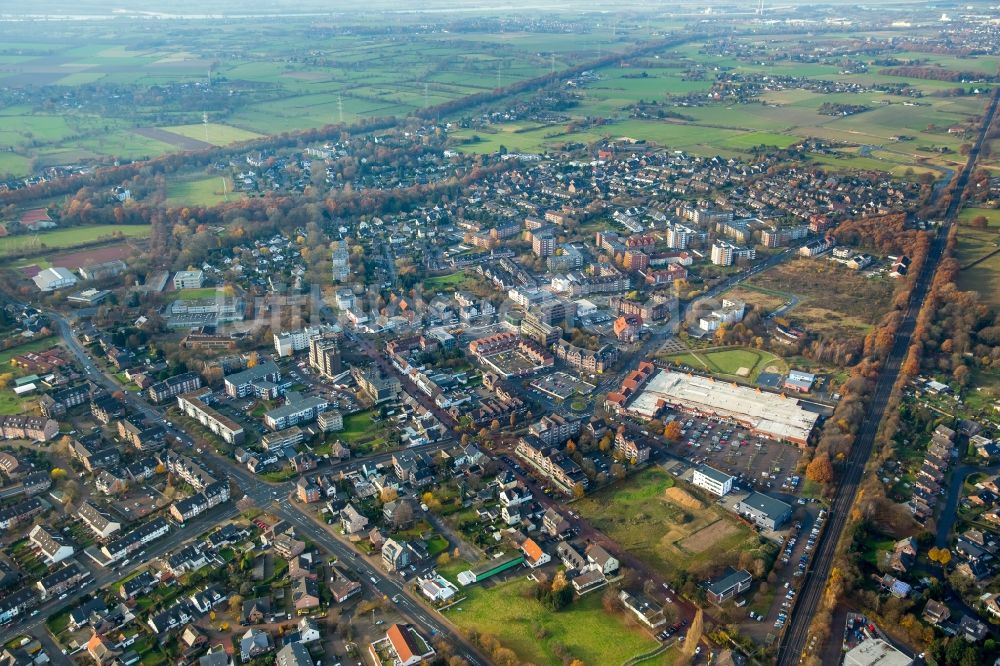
[[739, 363], [62, 239]]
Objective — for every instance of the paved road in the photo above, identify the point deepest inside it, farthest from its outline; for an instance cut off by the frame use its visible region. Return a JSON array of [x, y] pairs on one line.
[[794, 640], [100, 577], [954, 484], [273, 498]]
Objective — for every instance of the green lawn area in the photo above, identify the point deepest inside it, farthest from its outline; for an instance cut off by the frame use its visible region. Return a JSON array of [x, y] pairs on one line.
[[62, 239], [203, 292], [216, 133], [637, 514], [357, 426], [201, 192], [444, 281], [729, 362], [510, 612]]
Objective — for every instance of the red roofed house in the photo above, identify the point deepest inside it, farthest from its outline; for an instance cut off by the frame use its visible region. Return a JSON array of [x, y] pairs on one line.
[[402, 646], [534, 556]]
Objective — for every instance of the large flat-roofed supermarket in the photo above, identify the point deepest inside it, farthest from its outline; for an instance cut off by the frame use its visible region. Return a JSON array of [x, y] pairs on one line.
[[767, 414]]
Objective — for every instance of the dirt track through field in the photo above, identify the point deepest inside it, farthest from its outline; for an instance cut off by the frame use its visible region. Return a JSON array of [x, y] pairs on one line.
[[176, 140]]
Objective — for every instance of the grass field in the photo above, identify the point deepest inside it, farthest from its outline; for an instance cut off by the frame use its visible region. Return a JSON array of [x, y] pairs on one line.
[[509, 612], [201, 192], [357, 426], [975, 253], [729, 362], [638, 516], [834, 300], [217, 134], [63, 239], [443, 282], [204, 292]]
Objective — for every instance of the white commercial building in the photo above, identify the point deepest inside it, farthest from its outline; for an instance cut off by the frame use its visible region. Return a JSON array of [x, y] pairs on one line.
[[712, 480], [679, 237], [766, 414], [875, 652], [189, 279], [287, 343], [730, 313], [345, 299], [54, 278]]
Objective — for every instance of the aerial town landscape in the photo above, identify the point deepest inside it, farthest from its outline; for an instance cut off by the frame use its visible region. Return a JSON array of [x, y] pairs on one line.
[[582, 334]]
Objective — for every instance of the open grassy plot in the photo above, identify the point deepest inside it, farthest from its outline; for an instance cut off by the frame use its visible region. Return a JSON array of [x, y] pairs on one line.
[[40, 344], [217, 134], [978, 253], [510, 612], [357, 426], [765, 300], [444, 281], [201, 192], [68, 238], [834, 300], [638, 514]]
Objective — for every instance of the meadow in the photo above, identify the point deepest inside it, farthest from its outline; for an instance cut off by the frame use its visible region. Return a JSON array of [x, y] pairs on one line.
[[978, 254], [269, 76], [213, 133], [63, 239], [674, 539], [201, 192], [509, 611], [833, 300]]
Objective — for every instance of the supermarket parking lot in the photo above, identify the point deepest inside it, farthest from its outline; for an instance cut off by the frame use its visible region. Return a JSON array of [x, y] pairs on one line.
[[755, 461]]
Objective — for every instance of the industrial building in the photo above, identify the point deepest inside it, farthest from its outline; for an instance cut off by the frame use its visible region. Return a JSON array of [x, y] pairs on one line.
[[766, 414], [764, 511], [875, 652]]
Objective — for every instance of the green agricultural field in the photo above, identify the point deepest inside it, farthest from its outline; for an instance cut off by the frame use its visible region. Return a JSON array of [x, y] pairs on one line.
[[125, 144], [12, 164], [584, 629], [63, 239], [978, 254], [674, 536], [202, 192], [214, 133]]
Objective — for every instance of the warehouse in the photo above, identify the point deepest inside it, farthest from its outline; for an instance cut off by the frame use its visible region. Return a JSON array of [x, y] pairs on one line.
[[766, 414]]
